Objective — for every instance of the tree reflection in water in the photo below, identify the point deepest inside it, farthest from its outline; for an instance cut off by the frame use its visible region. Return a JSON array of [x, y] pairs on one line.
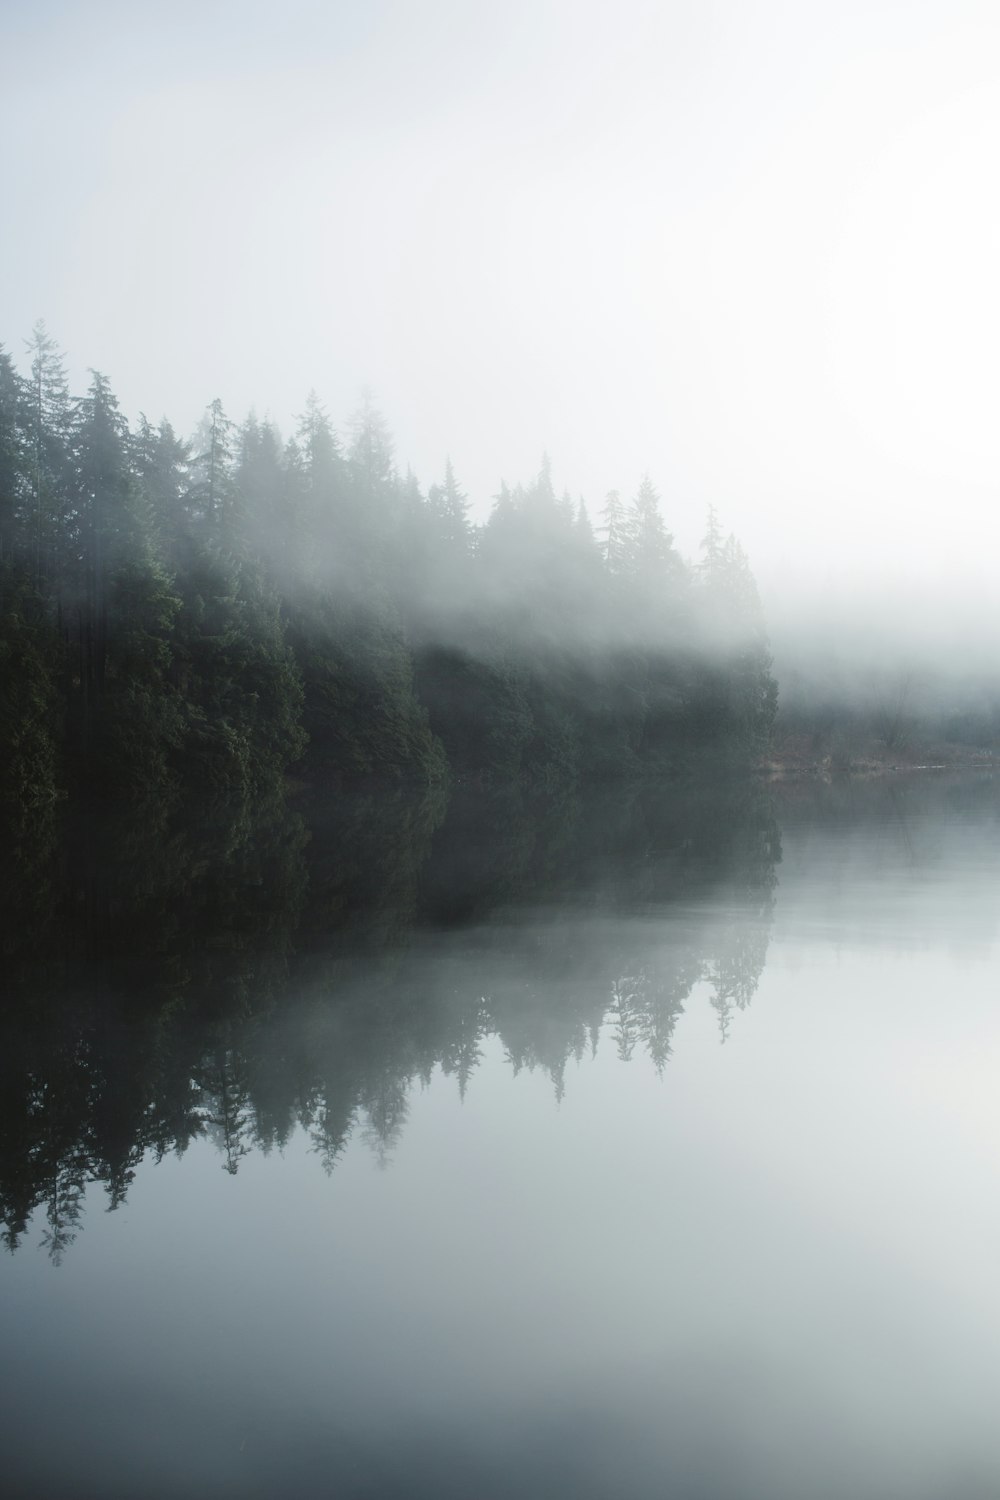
[[235, 975]]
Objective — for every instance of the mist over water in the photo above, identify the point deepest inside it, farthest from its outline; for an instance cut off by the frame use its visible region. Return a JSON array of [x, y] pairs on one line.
[[641, 1142], [499, 697]]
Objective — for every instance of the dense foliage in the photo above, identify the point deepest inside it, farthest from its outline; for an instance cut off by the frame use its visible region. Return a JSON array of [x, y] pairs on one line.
[[217, 612]]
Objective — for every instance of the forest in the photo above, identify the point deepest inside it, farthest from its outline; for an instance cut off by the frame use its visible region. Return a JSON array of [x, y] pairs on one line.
[[222, 613]]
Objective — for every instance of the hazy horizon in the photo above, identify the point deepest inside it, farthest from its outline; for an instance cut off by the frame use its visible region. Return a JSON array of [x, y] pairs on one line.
[[386, 867], [746, 249]]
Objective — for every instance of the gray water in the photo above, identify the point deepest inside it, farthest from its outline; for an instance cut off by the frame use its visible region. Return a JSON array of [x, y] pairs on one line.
[[647, 1148]]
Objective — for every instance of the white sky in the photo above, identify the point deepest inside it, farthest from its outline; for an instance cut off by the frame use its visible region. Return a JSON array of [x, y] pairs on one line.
[[751, 247]]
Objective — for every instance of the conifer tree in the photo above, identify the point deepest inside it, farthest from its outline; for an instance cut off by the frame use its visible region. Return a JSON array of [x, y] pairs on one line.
[[649, 547], [259, 482], [324, 481], [212, 497], [199, 616], [14, 474], [368, 531], [99, 536], [161, 464], [449, 508], [614, 534], [50, 418]]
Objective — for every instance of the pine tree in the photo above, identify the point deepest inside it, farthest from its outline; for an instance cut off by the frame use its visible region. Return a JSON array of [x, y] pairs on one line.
[[259, 483], [126, 717], [161, 462], [14, 470], [325, 483], [30, 670], [649, 547], [100, 535], [50, 418], [614, 546], [212, 497], [371, 450], [711, 544], [449, 508]]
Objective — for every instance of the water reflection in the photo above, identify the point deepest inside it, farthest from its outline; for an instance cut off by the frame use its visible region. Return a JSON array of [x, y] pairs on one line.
[[767, 1273], [231, 976]]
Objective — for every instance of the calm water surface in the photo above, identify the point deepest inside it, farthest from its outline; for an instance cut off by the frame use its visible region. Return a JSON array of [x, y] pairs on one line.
[[646, 1145]]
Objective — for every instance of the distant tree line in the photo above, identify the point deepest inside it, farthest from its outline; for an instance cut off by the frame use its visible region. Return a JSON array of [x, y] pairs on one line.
[[221, 611]]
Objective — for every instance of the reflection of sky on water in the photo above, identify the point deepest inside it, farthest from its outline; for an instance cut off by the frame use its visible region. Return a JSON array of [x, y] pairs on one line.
[[768, 1272]]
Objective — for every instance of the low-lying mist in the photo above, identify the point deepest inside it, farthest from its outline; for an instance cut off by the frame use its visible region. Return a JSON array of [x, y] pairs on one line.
[[224, 610], [229, 608], [909, 665]]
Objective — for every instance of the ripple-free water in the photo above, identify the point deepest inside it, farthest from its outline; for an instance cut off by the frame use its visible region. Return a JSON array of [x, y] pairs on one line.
[[648, 1147]]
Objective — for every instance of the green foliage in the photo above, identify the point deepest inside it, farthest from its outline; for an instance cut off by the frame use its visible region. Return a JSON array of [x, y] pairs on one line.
[[141, 728], [478, 709], [361, 714], [14, 463], [29, 666], [223, 612], [241, 689]]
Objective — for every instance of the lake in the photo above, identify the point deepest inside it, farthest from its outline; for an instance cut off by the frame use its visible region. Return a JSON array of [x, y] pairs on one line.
[[623, 1145]]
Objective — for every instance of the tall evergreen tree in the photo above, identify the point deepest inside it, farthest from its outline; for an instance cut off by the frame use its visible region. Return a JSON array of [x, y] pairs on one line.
[[324, 482], [198, 616], [102, 532], [213, 498], [161, 465], [449, 508], [14, 471], [614, 533], [50, 461], [650, 555]]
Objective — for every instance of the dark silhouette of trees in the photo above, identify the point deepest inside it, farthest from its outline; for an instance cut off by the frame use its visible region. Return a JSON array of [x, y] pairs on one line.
[[215, 614], [231, 975]]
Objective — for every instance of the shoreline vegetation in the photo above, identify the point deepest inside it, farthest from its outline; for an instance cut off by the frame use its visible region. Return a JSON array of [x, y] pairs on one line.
[[799, 756], [239, 611]]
